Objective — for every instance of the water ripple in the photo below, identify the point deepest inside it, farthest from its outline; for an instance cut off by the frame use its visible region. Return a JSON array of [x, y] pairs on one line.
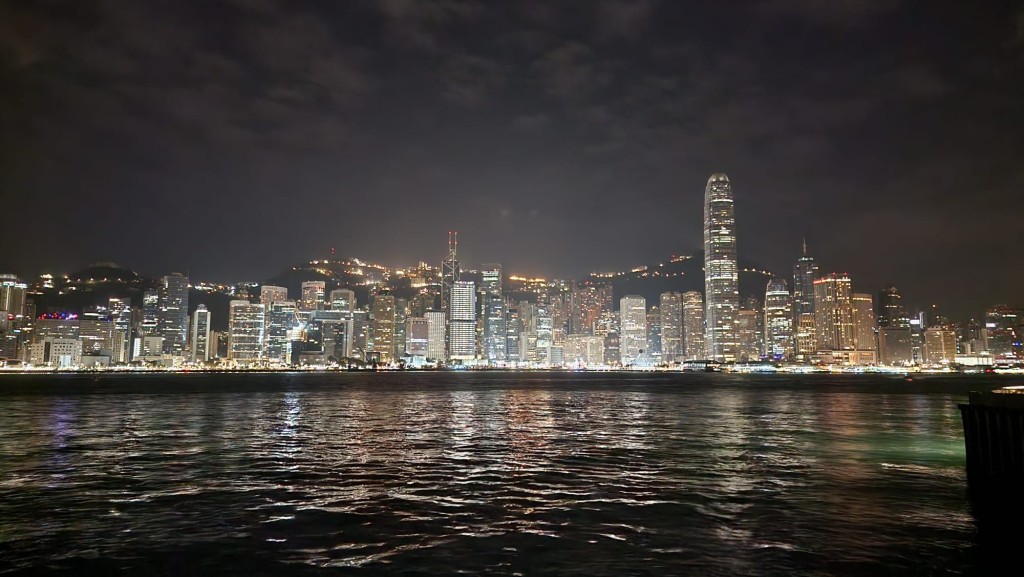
[[475, 473]]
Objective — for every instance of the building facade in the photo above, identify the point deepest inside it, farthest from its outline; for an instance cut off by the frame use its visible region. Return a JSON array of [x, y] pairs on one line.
[[833, 313], [633, 329], [200, 339], [492, 312], [693, 326], [174, 313], [721, 275], [778, 321], [670, 307], [462, 326], [246, 326]]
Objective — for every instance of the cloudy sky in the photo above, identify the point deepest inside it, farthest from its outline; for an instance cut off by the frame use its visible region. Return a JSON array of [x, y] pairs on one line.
[[235, 138]]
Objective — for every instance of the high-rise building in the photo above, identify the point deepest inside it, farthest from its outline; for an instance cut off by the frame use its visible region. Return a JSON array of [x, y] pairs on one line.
[[280, 324], [670, 307], [584, 351], [174, 313], [462, 326], [833, 312], [891, 313], [270, 294], [121, 313], [12, 296], [805, 272], [150, 313], [200, 340], [435, 335], [361, 333], [693, 326], [633, 334], [940, 345], [417, 340], [384, 325], [246, 324], [749, 349], [1003, 325], [805, 337], [55, 328], [313, 295], [654, 333], [778, 320], [401, 315], [587, 304], [96, 332], [493, 314], [895, 346], [863, 321], [721, 275], [450, 274], [513, 328], [343, 300]]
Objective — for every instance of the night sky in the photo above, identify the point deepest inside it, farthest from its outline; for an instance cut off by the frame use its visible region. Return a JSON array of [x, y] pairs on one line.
[[233, 139]]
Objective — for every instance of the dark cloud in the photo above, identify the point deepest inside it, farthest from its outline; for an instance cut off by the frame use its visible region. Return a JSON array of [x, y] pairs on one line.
[[626, 19], [840, 13], [235, 138]]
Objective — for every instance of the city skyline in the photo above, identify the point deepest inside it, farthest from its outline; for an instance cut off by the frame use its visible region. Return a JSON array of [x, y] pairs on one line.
[[527, 128]]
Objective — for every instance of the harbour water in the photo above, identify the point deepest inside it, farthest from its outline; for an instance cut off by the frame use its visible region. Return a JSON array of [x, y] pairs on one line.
[[487, 473]]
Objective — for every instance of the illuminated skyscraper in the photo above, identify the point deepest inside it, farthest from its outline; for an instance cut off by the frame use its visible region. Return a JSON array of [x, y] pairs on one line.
[[746, 327], [863, 322], [150, 313], [270, 294], [450, 273], [281, 322], [313, 295], [200, 341], [721, 276], [1003, 327], [174, 313], [805, 337], [462, 326], [245, 331], [417, 336], [513, 328], [670, 307], [493, 314], [693, 326], [833, 313], [384, 325], [778, 320], [96, 333], [895, 346], [588, 303], [805, 272], [633, 332], [12, 296], [654, 333], [940, 345], [891, 313], [435, 335], [343, 300]]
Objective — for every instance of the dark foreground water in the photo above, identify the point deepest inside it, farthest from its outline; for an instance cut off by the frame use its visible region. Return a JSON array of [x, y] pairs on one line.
[[487, 473]]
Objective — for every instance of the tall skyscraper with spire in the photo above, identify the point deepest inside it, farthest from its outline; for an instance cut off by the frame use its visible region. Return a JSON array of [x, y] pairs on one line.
[[721, 274], [805, 271], [450, 273]]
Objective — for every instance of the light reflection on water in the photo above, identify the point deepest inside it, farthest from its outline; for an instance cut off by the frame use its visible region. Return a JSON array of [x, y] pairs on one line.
[[531, 474]]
